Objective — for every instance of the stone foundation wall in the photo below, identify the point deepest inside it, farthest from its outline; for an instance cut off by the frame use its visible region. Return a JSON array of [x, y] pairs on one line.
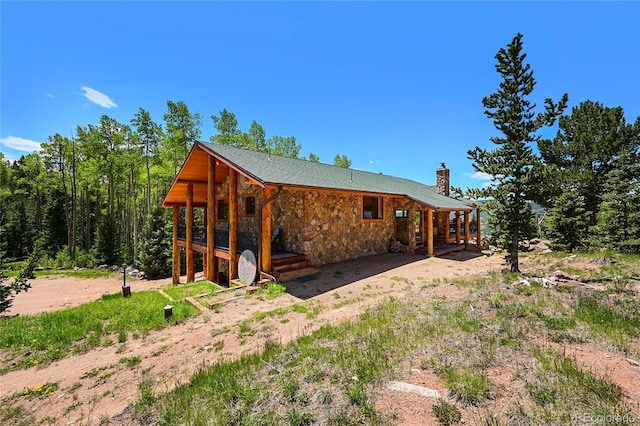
[[329, 228]]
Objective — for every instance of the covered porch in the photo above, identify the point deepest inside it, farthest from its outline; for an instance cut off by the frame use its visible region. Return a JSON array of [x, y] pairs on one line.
[[199, 181], [435, 232]]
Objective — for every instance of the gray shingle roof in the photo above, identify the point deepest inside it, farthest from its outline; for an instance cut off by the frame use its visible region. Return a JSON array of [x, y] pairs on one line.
[[277, 170]]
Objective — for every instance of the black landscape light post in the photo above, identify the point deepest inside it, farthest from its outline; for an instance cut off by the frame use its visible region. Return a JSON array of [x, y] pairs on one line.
[[126, 290]]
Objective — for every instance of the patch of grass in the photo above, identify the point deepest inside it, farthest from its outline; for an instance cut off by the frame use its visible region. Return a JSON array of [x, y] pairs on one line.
[[75, 386], [610, 318], [299, 418], [280, 312], [446, 413], [244, 329], [558, 323], [271, 291], [93, 372], [181, 291], [39, 392], [313, 309], [301, 309], [561, 389], [50, 336], [219, 331], [131, 362], [468, 387], [14, 415], [346, 302]]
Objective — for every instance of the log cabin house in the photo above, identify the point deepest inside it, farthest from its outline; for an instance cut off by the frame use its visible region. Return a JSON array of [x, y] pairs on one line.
[[297, 215]]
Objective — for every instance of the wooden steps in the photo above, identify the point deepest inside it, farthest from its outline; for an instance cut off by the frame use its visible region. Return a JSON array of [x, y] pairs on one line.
[[291, 266]]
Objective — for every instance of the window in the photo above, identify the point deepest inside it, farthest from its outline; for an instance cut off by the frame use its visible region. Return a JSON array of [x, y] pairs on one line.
[[250, 206], [223, 209], [372, 208], [402, 213]]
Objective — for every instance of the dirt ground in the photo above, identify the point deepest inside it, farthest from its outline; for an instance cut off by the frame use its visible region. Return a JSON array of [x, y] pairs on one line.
[[171, 356]]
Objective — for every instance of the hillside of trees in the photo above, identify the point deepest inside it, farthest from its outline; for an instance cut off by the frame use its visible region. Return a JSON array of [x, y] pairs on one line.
[[95, 198]]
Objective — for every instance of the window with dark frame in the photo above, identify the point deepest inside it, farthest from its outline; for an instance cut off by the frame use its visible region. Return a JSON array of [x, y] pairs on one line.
[[250, 206], [402, 213], [372, 208], [223, 209]]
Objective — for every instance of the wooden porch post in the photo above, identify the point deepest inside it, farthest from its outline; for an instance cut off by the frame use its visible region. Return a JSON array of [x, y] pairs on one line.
[[447, 229], [429, 221], [467, 215], [191, 275], [265, 238], [412, 231], [458, 228], [233, 224], [478, 236], [176, 249], [211, 220], [424, 228], [205, 261]]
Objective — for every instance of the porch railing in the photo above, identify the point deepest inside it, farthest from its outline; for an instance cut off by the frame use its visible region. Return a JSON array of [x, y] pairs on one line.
[[245, 240]]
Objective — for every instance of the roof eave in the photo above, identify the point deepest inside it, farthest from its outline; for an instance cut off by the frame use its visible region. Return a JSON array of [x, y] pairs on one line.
[[232, 165]]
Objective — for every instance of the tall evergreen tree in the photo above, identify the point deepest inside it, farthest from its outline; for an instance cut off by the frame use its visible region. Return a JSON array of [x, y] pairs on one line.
[[585, 150], [568, 222], [19, 284], [155, 249], [108, 250], [512, 162], [619, 219]]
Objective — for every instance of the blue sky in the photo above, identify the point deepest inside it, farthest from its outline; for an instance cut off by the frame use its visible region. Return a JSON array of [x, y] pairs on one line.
[[397, 87]]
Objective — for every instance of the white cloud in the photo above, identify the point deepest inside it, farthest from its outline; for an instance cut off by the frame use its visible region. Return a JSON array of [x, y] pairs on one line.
[[20, 144], [49, 95], [98, 97], [480, 176]]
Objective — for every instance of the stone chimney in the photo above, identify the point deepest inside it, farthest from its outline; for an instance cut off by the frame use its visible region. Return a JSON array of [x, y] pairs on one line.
[[442, 180]]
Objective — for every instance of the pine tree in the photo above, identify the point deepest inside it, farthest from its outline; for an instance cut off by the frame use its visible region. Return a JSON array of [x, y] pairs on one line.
[[619, 218], [568, 222], [585, 149], [108, 250], [155, 249], [8, 291], [512, 162]]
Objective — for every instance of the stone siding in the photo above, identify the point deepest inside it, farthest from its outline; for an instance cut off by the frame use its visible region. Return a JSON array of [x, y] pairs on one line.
[[329, 228], [325, 227]]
